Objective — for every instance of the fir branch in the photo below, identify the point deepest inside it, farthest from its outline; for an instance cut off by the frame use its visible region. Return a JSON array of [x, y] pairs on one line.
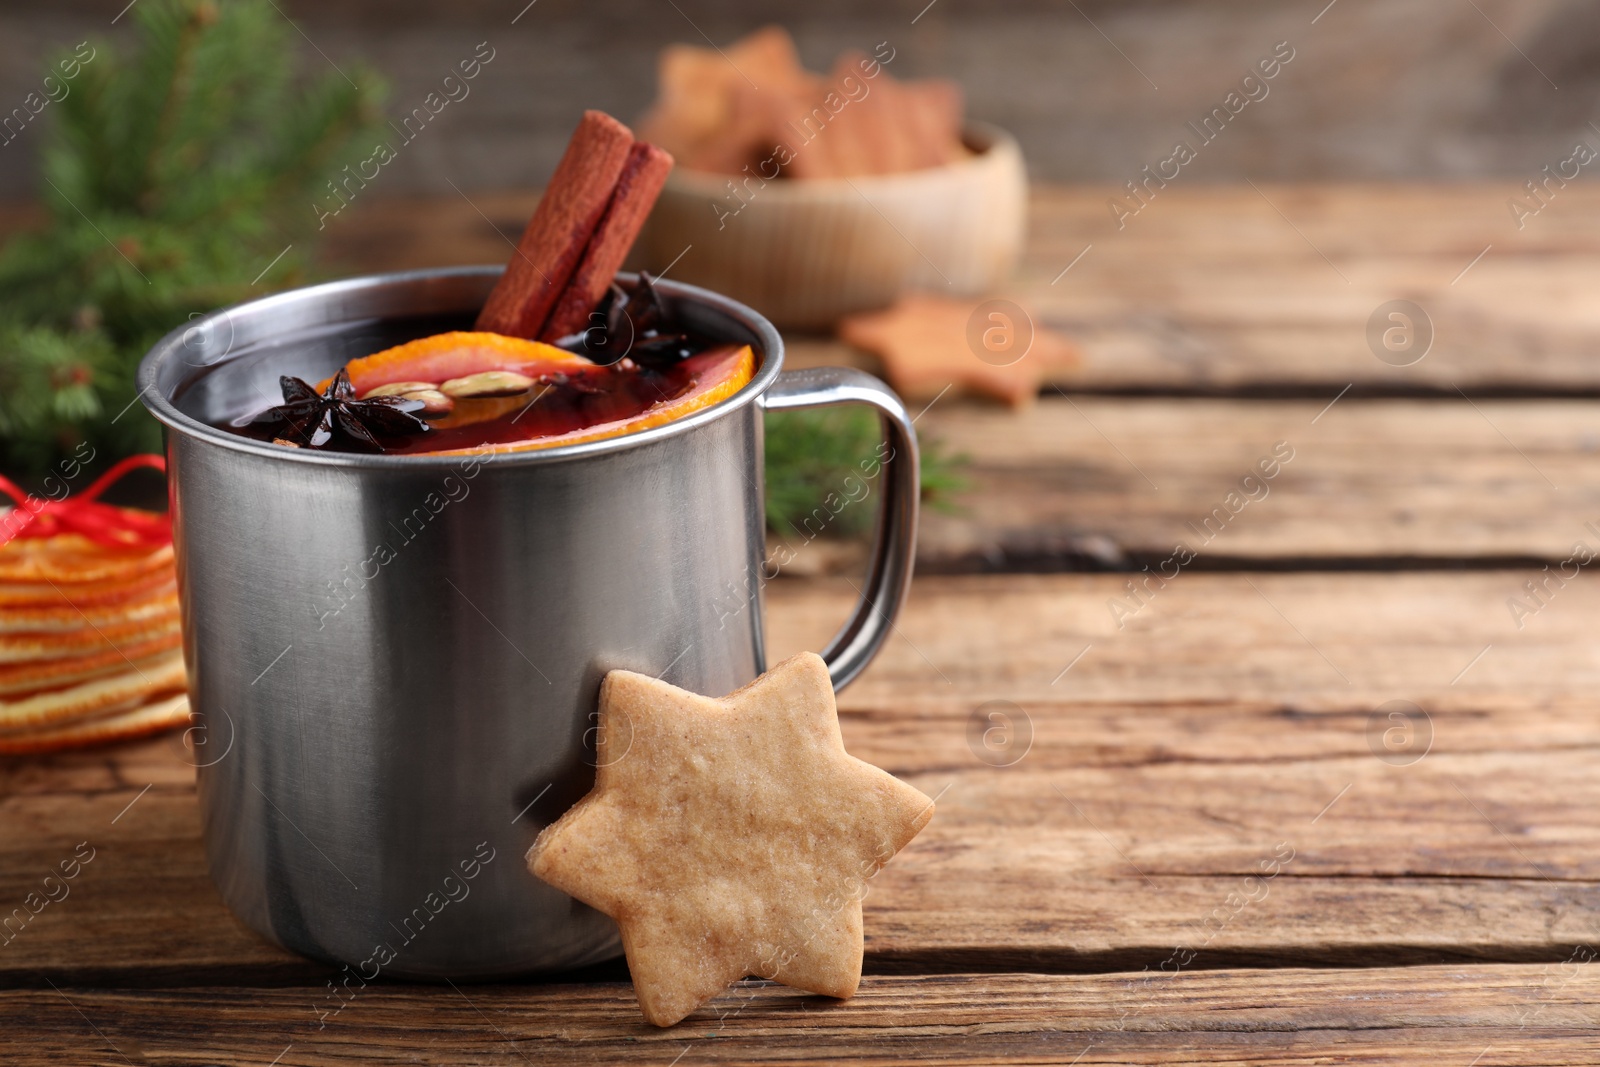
[[172, 177], [812, 454]]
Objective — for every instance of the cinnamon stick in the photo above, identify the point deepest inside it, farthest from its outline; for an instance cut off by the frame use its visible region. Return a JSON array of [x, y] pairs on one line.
[[552, 246], [643, 174]]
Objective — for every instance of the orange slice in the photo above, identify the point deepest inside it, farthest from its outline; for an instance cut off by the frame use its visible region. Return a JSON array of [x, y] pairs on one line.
[[74, 558], [165, 713], [32, 647], [714, 375], [57, 706], [30, 677], [456, 355], [83, 594], [158, 604]]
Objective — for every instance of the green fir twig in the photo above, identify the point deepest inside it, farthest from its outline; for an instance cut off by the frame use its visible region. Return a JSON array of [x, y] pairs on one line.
[[173, 175]]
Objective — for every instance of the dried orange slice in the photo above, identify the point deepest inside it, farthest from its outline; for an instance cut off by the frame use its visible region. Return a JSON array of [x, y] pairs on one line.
[[83, 594], [158, 604], [31, 676], [126, 724], [74, 558], [57, 706], [455, 355], [714, 375], [31, 647], [90, 626]]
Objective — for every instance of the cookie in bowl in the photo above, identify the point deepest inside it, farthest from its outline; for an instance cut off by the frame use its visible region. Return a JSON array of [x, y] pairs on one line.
[[814, 196]]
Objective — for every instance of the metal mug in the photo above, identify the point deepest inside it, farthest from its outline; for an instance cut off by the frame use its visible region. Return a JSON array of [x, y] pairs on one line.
[[395, 660]]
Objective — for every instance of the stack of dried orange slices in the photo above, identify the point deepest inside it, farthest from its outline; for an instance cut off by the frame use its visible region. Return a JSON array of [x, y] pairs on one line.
[[89, 624]]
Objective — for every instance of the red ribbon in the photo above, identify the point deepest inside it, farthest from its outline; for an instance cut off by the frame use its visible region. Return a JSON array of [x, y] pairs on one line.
[[82, 514]]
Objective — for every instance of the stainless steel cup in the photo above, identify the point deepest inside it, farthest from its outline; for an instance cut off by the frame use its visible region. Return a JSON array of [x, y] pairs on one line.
[[395, 660]]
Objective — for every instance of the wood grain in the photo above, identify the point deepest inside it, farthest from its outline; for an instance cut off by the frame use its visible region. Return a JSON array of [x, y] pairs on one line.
[[1462, 1014], [1120, 482], [1289, 639], [1171, 760], [1225, 287]]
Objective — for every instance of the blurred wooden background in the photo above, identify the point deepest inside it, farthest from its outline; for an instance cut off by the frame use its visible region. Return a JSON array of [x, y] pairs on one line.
[[1094, 89]]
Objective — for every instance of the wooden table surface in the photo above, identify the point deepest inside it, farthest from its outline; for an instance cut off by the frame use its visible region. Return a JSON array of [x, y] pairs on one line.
[[1085, 894]]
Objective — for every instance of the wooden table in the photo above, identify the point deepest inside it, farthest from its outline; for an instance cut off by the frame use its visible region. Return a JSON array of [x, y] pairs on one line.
[[1206, 838]]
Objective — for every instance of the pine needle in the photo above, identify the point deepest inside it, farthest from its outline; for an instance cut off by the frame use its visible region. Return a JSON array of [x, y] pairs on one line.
[[817, 459], [173, 176]]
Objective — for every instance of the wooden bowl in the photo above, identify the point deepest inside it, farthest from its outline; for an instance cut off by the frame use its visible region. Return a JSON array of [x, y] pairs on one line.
[[806, 252]]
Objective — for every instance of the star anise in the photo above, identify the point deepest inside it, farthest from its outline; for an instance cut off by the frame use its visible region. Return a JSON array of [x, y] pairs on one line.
[[334, 420], [639, 325]]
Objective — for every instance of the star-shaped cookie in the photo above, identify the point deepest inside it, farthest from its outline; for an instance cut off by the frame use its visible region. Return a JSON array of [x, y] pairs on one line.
[[987, 346], [729, 837]]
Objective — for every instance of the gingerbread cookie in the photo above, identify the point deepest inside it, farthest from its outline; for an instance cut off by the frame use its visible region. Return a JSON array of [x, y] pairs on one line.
[[993, 347], [729, 837]]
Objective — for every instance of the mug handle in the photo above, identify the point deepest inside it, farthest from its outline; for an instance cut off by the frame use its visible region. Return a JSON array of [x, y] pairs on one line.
[[894, 537]]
